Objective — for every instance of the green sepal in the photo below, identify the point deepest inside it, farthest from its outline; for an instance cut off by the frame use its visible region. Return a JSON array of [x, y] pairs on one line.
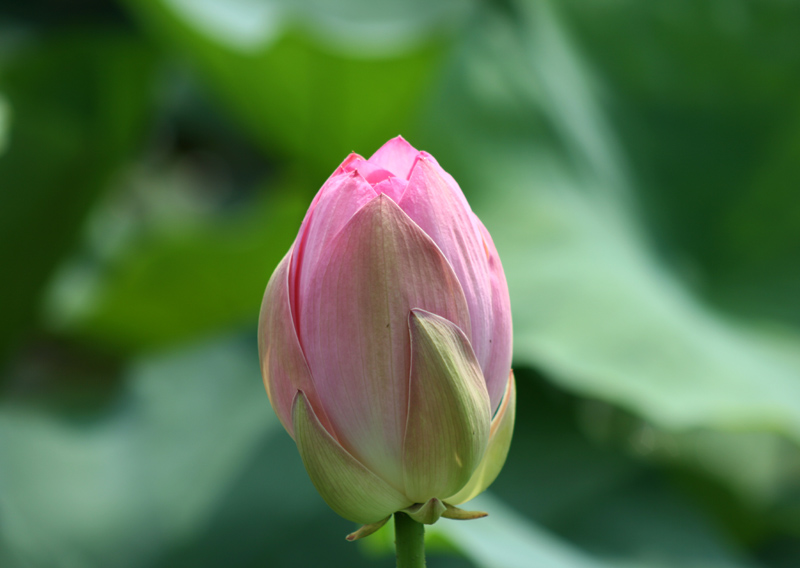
[[426, 513], [497, 451], [367, 530], [461, 514], [449, 418], [346, 485]]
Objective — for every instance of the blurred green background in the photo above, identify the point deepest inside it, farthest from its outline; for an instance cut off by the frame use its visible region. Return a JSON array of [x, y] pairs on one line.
[[638, 164]]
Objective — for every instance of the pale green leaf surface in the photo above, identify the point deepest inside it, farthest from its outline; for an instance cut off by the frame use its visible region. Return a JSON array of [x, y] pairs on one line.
[[587, 498], [648, 524], [118, 489], [704, 94], [360, 28], [610, 323], [179, 284], [506, 539], [593, 305]]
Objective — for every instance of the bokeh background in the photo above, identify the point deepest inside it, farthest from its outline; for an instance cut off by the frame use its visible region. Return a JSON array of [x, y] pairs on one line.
[[638, 164]]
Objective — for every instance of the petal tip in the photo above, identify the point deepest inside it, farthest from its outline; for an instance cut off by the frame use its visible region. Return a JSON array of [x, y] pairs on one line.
[[396, 155], [366, 530], [462, 515]]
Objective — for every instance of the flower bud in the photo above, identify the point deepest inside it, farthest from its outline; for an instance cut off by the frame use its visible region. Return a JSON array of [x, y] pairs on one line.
[[385, 341]]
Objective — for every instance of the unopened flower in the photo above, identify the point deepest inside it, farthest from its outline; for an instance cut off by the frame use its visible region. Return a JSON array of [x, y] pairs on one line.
[[385, 341]]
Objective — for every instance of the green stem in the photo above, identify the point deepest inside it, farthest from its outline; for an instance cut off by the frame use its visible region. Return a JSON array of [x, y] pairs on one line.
[[409, 541]]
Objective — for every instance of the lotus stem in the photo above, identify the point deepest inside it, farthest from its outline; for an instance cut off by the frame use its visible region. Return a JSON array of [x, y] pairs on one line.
[[409, 541]]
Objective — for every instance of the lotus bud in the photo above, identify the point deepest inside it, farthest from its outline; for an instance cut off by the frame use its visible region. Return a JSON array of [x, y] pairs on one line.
[[385, 342]]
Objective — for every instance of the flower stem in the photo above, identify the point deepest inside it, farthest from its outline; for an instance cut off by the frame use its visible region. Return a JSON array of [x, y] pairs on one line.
[[409, 541]]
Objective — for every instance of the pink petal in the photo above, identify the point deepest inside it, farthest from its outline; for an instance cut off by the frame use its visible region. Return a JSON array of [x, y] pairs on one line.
[[355, 331], [443, 214], [397, 156], [283, 366], [333, 180], [330, 211], [393, 187], [347, 164], [369, 171], [447, 177], [498, 364]]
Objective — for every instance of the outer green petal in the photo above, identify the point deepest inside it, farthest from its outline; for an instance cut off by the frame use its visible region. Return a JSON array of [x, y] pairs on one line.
[[448, 410], [499, 442], [348, 487]]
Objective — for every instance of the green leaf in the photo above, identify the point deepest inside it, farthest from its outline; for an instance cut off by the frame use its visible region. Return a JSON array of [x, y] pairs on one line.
[[187, 467], [151, 469], [79, 103], [352, 27], [565, 500], [782, 554], [592, 304], [713, 131], [648, 525], [180, 284], [506, 539], [608, 322], [283, 73]]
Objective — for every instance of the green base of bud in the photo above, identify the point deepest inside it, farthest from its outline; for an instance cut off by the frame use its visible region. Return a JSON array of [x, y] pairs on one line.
[[422, 513]]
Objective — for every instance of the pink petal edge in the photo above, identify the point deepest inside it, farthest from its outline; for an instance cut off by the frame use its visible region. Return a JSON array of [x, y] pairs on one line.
[[444, 216], [283, 366]]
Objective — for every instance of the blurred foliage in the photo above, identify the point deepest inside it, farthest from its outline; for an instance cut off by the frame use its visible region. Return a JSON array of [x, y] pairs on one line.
[[77, 104], [310, 81], [636, 164]]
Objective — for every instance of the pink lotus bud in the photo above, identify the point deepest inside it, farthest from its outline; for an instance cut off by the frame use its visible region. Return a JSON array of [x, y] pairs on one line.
[[385, 341]]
